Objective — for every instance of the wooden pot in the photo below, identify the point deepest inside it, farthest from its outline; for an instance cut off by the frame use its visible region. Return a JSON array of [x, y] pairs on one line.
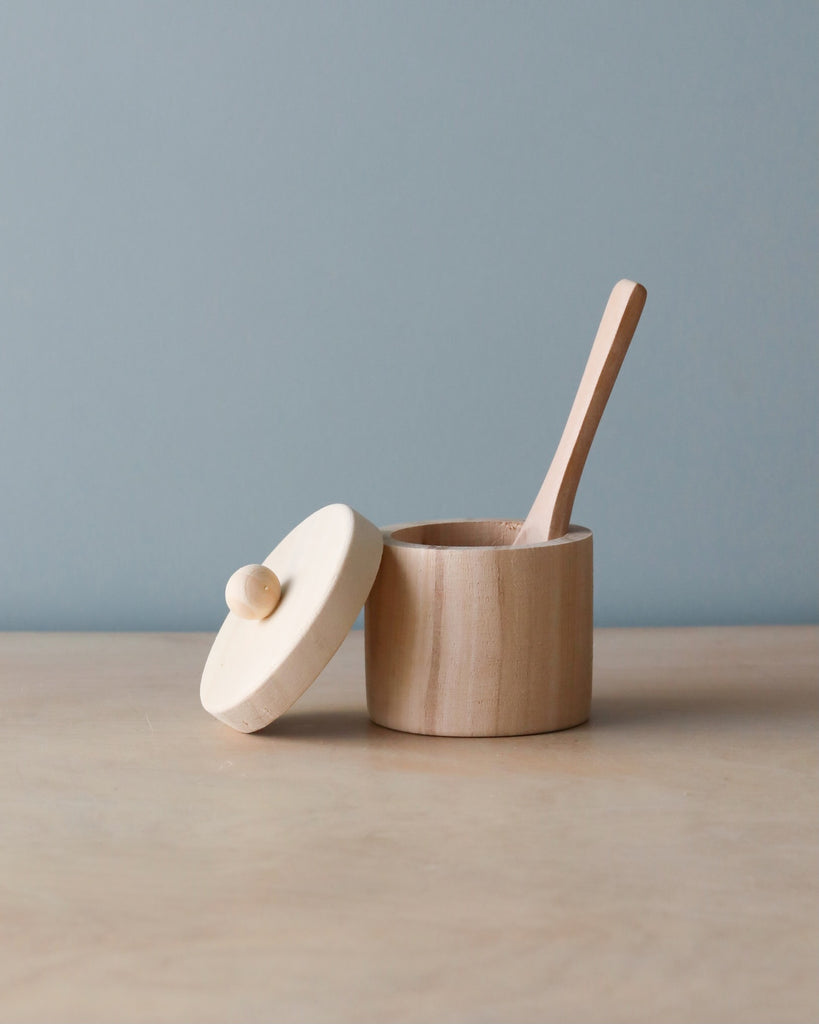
[[466, 635]]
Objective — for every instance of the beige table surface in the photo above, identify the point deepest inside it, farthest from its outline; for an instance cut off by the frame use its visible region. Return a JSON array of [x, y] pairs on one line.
[[656, 865]]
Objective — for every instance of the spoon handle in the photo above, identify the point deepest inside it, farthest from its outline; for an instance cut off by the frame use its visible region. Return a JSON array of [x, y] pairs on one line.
[[549, 515]]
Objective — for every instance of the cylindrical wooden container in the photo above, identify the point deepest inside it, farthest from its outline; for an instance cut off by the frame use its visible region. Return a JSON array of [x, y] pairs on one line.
[[466, 635]]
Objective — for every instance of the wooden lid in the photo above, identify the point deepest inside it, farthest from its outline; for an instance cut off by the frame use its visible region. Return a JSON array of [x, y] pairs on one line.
[[257, 668]]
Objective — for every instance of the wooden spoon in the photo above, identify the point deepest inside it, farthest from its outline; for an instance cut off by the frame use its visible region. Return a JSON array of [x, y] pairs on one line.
[[549, 515]]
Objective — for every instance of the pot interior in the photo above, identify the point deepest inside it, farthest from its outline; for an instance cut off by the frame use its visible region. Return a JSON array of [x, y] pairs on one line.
[[469, 533]]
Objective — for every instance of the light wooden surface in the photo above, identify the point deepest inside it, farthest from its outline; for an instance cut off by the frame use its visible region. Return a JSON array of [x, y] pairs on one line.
[[483, 639], [657, 864], [551, 512]]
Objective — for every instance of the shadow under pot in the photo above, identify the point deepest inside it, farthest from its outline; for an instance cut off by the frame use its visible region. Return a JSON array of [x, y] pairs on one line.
[[466, 635]]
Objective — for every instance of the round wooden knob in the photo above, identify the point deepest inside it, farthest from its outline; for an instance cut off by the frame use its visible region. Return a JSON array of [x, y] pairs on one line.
[[253, 591]]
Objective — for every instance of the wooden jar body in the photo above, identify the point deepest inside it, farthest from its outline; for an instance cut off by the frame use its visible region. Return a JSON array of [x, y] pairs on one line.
[[466, 635]]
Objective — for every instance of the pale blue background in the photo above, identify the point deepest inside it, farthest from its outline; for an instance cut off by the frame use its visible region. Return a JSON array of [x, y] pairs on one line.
[[260, 257]]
